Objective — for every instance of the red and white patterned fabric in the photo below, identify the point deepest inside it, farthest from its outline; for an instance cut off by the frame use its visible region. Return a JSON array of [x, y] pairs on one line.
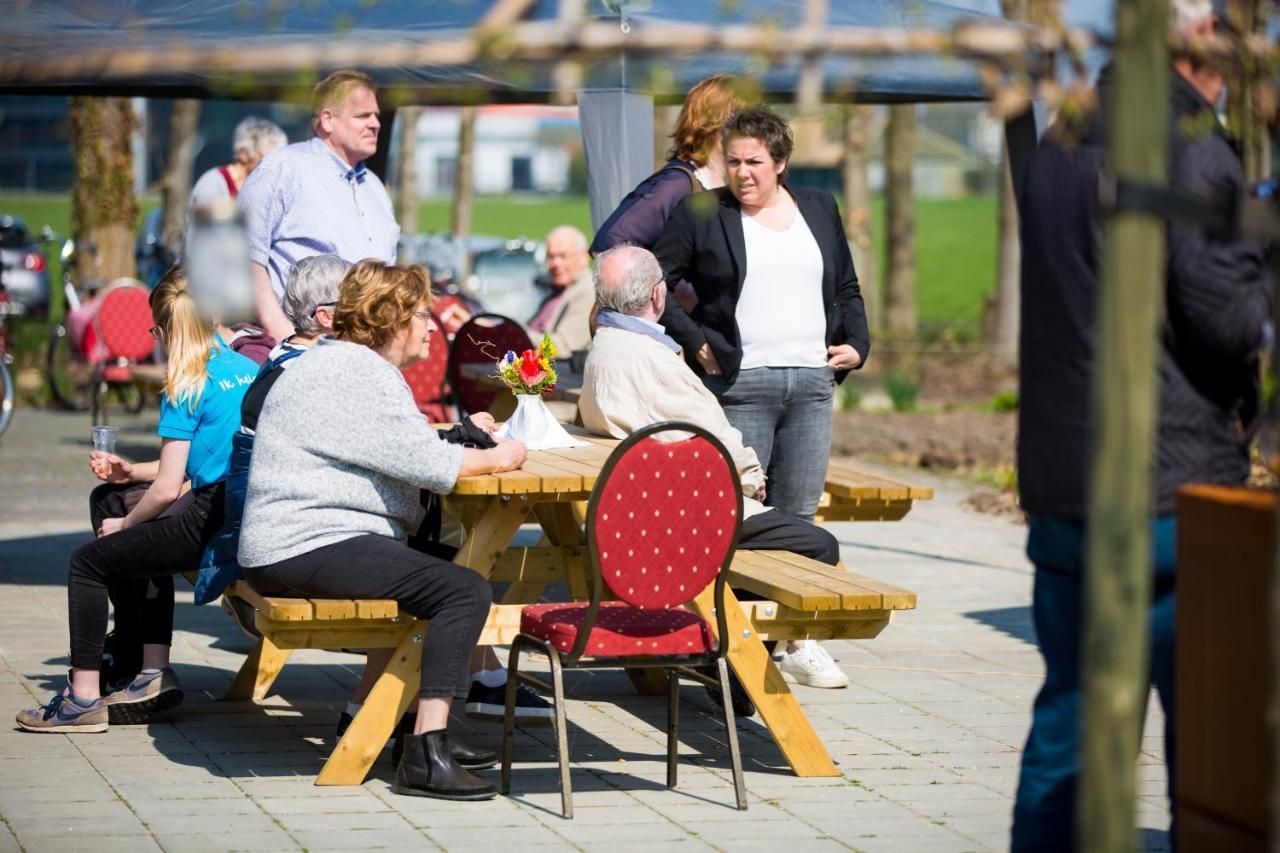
[[124, 323], [485, 338], [665, 521], [620, 630]]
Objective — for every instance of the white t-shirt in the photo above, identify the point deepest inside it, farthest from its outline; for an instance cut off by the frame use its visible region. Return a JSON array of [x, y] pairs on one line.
[[780, 313]]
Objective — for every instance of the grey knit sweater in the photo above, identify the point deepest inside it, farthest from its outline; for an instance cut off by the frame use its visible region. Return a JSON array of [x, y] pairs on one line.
[[341, 451]]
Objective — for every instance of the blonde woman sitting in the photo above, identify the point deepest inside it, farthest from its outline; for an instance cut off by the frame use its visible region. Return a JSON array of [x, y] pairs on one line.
[[199, 412]]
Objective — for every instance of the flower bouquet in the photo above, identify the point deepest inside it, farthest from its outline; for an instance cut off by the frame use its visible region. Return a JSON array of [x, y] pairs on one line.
[[529, 375]]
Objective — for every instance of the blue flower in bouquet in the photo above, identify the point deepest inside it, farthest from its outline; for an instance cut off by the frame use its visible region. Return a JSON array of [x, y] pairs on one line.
[[510, 357]]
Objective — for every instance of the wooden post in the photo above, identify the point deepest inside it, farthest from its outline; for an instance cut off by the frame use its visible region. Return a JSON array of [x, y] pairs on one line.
[[104, 209], [463, 190], [1008, 295], [184, 125], [407, 171], [1118, 577], [900, 280], [857, 209]]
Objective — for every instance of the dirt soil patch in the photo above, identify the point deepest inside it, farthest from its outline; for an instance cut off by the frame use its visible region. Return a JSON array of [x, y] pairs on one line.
[[956, 441]]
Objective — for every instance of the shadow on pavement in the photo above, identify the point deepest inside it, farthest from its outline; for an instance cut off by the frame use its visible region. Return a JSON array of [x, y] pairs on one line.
[[1014, 622]]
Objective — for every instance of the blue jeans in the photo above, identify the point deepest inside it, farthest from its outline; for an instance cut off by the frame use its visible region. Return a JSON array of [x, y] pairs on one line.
[[784, 415], [1044, 812]]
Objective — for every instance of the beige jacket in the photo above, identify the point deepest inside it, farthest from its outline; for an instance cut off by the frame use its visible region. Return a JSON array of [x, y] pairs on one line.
[[631, 381], [570, 328]]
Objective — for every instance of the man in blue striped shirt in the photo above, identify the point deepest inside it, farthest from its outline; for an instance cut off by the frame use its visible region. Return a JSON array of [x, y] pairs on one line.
[[317, 197]]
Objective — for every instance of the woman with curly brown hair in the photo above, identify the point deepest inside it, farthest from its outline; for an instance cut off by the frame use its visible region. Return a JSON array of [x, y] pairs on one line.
[[340, 457]]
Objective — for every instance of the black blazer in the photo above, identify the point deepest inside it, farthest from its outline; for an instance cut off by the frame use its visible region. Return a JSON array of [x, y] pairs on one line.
[[703, 244]]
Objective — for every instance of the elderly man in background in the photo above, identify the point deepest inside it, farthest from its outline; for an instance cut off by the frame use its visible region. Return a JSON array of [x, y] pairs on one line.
[[317, 197], [566, 312], [635, 376]]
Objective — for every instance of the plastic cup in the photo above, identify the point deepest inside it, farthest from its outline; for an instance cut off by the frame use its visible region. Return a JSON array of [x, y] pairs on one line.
[[104, 438]]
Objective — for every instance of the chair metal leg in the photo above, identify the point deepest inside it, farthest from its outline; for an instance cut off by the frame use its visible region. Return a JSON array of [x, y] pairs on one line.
[[673, 725], [731, 730], [509, 717], [562, 733]]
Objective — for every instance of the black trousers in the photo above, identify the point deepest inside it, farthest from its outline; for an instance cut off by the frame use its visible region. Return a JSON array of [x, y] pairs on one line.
[[118, 567], [777, 531], [455, 600]]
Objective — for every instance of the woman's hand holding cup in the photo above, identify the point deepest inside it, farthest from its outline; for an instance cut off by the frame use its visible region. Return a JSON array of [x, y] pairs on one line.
[[110, 468]]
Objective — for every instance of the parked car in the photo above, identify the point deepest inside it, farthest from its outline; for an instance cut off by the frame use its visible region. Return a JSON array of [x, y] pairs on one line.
[[504, 273], [24, 269]]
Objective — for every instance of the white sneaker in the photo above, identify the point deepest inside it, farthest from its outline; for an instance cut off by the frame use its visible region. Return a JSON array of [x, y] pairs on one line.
[[812, 666]]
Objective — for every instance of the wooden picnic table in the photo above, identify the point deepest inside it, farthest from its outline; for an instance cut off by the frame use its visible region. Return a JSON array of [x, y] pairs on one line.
[[550, 489]]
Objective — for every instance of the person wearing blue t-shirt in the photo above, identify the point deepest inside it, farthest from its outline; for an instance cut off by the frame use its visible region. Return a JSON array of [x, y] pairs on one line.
[[161, 536]]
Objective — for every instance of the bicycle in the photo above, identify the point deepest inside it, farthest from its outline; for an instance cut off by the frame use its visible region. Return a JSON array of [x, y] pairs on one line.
[[8, 308]]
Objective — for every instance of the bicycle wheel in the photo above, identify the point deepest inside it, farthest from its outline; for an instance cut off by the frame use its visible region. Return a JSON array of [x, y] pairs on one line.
[[130, 396], [70, 379], [6, 395]]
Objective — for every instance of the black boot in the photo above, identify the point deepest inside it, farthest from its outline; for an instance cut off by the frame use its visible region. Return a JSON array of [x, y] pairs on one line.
[[428, 770], [469, 757]]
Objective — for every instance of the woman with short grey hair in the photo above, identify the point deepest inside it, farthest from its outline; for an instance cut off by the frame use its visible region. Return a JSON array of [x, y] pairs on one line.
[[253, 139], [309, 297]]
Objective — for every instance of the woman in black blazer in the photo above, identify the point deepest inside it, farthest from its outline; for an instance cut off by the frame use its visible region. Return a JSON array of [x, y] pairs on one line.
[[779, 313]]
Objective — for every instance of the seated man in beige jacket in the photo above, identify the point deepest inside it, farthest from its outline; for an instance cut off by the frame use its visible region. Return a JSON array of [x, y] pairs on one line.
[[635, 377]]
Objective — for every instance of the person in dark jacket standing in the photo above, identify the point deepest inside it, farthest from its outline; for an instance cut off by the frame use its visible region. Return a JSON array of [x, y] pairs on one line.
[[1216, 312]]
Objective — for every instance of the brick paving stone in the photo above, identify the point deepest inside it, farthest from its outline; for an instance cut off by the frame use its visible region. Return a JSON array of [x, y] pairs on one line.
[[232, 841]]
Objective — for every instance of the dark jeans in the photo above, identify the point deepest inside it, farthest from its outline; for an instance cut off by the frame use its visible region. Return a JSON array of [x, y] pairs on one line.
[[784, 415], [453, 599], [118, 566], [776, 531], [1044, 811]]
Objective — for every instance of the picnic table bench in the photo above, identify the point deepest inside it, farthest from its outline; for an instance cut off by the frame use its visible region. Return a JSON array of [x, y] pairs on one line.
[[798, 598]]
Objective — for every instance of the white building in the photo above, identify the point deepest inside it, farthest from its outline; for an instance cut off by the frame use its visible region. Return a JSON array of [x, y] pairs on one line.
[[517, 149]]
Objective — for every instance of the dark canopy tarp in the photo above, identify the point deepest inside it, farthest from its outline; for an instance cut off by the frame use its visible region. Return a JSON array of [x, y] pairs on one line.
[[74, 29]]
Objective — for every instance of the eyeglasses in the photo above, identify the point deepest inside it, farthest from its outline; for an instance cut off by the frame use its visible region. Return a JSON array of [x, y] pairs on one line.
[[155, 332], [322, 305], [425, 316]]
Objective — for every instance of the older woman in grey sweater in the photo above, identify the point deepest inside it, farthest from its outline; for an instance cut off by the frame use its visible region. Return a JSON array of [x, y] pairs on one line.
[[340, 457]]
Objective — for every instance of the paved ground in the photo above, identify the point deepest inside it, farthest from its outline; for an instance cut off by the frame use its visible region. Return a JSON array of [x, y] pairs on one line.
[[927, 737]]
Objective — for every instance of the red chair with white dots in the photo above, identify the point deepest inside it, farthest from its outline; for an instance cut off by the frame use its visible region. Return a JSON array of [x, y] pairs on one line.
[[123, 326], [662, 524]]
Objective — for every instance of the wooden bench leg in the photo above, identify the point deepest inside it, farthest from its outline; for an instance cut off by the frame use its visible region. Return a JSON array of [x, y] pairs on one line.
[[774, 700], [372, 727], [258, 672]]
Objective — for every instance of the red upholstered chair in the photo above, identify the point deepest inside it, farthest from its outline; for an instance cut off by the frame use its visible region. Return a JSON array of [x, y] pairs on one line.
[[662, 524], [426, 378], [485, 338], [123, 327]]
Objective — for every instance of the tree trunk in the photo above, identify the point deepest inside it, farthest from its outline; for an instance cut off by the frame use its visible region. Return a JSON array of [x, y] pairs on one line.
[[1130, 298], [184, 126], [857, 209], [900, 282], [463, 190], [104, 209], [407, 171], [1008, 296], [1248, 16]]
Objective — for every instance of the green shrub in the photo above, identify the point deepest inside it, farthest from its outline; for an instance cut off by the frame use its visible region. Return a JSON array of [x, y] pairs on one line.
[[850, 398], [903, 392], [1006, 401]]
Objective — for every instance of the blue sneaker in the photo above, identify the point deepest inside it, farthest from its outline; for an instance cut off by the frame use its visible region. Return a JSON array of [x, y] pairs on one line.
[[152, 692], [65, 714]]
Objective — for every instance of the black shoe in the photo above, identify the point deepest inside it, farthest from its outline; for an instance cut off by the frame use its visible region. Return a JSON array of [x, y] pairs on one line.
[[742, 704], [245, 617], [120, 665], [490, 703], [470, 757], [428, 770]]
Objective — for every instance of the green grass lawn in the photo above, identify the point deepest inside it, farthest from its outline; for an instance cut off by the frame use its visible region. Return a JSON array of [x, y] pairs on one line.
[[956, 240]]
